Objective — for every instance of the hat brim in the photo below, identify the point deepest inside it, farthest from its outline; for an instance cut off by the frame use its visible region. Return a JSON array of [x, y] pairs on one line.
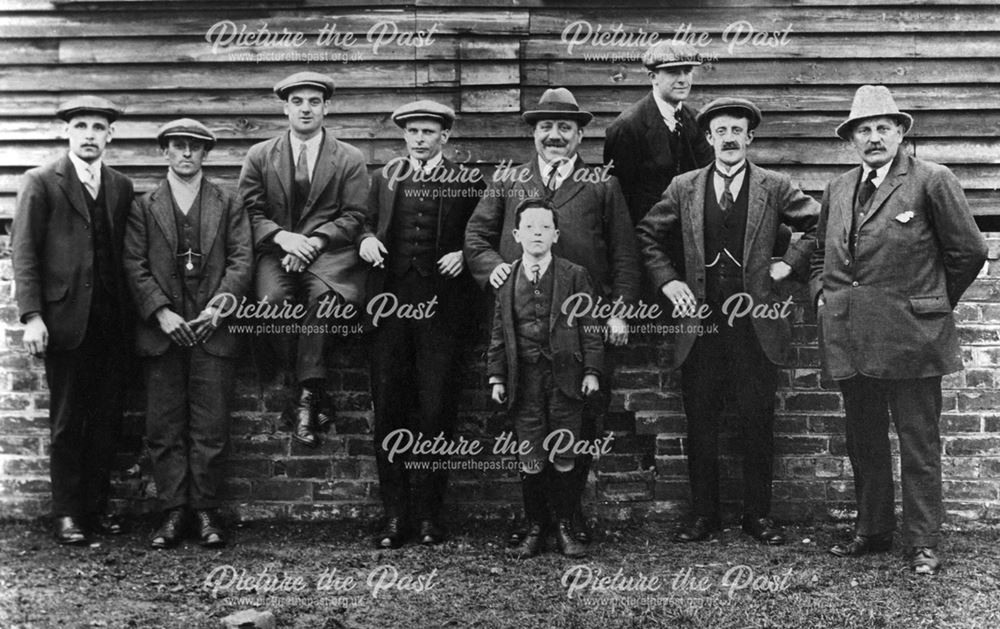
[[741, 111], [283, 91], [209, 141], [67, 115], [582, 118], [845, 128], [672, 64], [446, 123]]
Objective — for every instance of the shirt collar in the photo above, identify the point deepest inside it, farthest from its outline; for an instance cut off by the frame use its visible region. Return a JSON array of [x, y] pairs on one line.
[[312, 144], [880, 173], [667, 110], [543, 264], [82, 167], [430, 165], [719, 168], [176, 183]]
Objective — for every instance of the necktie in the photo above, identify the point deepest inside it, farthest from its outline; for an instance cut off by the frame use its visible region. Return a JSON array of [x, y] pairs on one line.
[[535, 268], [302, 173], [867, 188], [727, 194], [553, 174], [91, 182]]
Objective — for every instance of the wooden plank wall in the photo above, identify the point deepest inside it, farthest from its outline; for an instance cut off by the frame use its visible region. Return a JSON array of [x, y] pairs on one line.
[[488, 59]]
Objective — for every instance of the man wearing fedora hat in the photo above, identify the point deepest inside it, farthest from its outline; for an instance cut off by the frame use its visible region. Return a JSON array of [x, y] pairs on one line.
[[187, 243], [305, 192], [656, 138], [897, 249], [67, 256], [727, 217], [418, 206], [594, 227]]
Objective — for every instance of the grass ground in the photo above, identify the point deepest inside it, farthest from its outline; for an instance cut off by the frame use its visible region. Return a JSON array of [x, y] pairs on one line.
[[469, 582]]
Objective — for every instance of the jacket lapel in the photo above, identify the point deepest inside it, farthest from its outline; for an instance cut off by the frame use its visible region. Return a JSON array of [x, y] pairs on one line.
[[755, 210], [110, 196], [323, 172], [162, 208], [572, 184], [72, 188], [694, 214], [560, 290], [892, 181], [842, 201], [281, 165], [211, 215]]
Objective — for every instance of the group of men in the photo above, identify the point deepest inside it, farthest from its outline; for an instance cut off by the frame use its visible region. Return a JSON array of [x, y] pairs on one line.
[[686, 215]]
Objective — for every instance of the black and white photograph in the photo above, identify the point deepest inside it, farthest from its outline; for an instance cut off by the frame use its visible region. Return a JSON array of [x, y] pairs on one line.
[[331, 314]]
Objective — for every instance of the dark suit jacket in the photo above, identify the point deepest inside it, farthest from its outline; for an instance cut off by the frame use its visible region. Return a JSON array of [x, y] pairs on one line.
[[773, 200], [577, 347], [455, 206], [335, 208], [52, 248], [637, 144], [594, 228], [151, 262], [888, 311]]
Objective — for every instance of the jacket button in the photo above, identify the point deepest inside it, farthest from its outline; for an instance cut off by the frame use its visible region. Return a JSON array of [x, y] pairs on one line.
[[854, 283], [847, 263]]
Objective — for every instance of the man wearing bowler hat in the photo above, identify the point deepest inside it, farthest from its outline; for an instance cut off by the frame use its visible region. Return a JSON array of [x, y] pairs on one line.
[[305, 192], [417, 210], [594, 231], [656, 138], [187, 244], [897, 249], [728, 217], [67, 255]]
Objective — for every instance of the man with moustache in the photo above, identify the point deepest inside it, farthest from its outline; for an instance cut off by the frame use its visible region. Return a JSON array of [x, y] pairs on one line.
[[594, 227], [728, 217], [67, 255], [305, 192], [417, 210], [187, 242], [897, 249], [656, 138]]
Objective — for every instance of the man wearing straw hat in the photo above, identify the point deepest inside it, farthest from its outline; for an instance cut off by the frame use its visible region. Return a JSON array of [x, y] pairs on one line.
[[418, 206], [71, 295], [305, 192], [594, 227], [657, 138], [187, 246], [728, 217], [897, 249]]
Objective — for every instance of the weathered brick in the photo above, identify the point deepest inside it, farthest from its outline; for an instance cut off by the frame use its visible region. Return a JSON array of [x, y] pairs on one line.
[[667, 466], [972, 445], [653, 401], [9, 486], [23, 424], [341, 490], [249, 468], [785, 444], [960, 423], [960, 467], [261, 446], [674, 490], [625, 492], [281, 489], [300, 467], [10, 444], [26, 466], [670, 446], [812, 401], [969, 490], [651, 423], [637, 379]]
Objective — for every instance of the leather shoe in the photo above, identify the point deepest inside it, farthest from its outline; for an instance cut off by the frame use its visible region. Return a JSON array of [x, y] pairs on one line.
[[68, 531], [393, 535], [430, 533], [531, 543], [171, 530], [210, 532], [863, 545], [581, 531], [764, 530], [925, 561], [323, 409], [567, 542], [107, 524], [699, 529], [302, 417]]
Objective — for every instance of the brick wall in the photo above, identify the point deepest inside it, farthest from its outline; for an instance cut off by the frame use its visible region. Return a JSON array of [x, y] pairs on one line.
[[271, 476]]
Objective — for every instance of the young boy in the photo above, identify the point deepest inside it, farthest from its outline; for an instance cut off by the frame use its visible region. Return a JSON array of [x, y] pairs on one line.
[[542, 364]]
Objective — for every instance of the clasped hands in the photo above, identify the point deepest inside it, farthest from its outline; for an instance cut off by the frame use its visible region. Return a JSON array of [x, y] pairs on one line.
[[300, 250], [187, 333]]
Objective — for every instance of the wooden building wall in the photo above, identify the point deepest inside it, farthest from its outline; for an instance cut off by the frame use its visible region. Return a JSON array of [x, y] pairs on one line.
[[489, 59]]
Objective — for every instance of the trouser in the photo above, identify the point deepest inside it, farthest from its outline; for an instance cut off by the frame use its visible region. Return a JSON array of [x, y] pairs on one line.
[[729, 362], [187, 424], [915, 405], [413, 388], [85, 413], [539, 409], [278, 286]]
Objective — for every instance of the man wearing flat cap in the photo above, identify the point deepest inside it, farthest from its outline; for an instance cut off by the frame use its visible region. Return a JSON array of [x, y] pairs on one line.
[[728, 217], [305, 192], [71, 295], [418, 206], [656, 138], [897, 249], [594, 231], [187, 249]]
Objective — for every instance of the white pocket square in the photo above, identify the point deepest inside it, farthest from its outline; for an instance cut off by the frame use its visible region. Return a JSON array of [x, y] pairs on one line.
[[904, 217]]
